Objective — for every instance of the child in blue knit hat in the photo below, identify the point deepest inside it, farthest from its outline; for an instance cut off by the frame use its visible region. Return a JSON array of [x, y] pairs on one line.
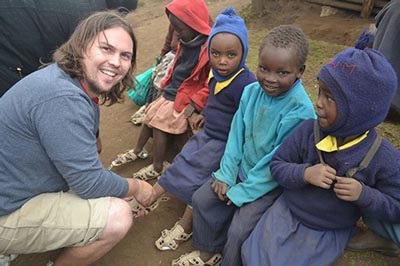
[[333, 170], [192, 167], [227, 207]]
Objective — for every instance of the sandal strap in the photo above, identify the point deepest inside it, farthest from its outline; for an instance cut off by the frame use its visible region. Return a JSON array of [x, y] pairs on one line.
[[148, 172], [193, 258], [136, 206], [168, 238]]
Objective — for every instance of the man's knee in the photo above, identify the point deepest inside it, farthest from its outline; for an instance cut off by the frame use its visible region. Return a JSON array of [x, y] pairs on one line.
[[120, 218]]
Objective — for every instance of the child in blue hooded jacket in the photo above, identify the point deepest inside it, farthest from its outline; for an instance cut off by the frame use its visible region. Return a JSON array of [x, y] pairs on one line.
[[333, 170], [192, 167]]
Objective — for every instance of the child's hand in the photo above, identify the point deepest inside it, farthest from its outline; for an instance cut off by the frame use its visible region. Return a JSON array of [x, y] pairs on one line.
[[196, 121], [347, 189], [320, 175], [220, 188]]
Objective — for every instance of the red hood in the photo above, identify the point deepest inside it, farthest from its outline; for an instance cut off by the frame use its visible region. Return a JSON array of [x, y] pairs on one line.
[[193, 13]]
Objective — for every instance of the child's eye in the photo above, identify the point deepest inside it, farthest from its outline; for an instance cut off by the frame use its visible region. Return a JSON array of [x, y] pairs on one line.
[[261, 68], [330, 98], [214, 53], [326, 95], [231, 55], [283, 73]]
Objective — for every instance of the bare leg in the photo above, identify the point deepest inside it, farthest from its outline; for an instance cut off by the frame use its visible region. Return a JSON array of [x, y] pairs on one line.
[[144, 136], [118, 224], [159, 148], [186, 220], [157, 191]]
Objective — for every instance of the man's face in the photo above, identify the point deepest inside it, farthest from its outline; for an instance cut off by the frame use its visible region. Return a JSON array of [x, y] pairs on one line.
[[107, 60]]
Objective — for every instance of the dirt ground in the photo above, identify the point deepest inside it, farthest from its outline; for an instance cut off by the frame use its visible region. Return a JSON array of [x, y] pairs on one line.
[[118, 134]]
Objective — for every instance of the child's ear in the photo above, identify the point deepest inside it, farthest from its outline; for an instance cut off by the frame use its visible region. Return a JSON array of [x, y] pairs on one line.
[[301, 71]]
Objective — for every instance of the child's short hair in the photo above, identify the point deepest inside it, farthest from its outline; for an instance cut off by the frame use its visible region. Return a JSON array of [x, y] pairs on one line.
[[288, 36]]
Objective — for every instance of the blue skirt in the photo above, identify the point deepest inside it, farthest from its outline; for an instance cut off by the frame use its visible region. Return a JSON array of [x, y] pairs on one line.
[[193, 166], [280, 239]]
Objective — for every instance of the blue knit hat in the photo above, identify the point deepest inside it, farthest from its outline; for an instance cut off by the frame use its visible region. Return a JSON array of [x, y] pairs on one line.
[[228, 21], [362, 83]]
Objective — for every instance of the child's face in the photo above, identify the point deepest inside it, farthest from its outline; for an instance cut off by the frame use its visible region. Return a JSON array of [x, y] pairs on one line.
[[326, 106], [183, 31], [225, 53], [278, 69]]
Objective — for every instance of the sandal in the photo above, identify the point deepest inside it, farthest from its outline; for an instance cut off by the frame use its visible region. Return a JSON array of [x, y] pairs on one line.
[[136, 206], [6, 259], [137, 121], [148, 172], [193, 258], [137, 118], [168, 237], [127, 157]]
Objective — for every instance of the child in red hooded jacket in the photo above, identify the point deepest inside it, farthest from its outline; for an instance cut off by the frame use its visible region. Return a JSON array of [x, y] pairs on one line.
[[184, 89]]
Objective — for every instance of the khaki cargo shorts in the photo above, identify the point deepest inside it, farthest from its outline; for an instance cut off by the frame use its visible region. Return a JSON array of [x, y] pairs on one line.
[[53, 220]]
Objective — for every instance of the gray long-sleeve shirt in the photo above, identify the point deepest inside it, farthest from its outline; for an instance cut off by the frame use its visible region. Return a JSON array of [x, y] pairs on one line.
[[48, 130]]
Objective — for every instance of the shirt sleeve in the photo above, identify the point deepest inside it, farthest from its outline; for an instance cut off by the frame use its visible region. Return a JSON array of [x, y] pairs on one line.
[[229, 166], [66, 127]]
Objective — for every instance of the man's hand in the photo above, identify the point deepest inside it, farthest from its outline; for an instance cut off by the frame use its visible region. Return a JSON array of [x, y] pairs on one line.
[[220, 188], [347, 189], [320, 175], [141, 190]]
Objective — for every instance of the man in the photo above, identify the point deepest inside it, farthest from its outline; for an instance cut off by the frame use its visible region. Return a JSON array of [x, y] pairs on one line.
[[55, 192], [32, 30]]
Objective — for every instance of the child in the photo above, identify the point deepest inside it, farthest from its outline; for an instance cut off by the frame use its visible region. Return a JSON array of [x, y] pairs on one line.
[[185, 89], [166, 60], [228, 47], [242, 188], [327, 184]]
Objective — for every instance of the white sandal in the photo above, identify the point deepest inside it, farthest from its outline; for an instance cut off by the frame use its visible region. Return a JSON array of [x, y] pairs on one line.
[[6, 259], [138, 116], [127, 157], [136, 206], [193, 258], [168, 237], [148, 172]]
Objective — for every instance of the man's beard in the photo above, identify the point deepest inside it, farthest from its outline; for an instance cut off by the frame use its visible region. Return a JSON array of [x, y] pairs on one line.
[[93, 87]]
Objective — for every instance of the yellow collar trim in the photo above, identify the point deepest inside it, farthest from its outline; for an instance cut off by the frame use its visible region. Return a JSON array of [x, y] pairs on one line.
[[219, 86], [329, 143]]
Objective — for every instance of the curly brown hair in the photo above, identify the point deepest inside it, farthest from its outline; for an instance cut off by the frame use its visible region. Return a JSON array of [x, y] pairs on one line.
[[69, 56]]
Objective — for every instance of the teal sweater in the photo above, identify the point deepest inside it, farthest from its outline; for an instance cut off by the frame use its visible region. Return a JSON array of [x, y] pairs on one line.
[[259, 126]]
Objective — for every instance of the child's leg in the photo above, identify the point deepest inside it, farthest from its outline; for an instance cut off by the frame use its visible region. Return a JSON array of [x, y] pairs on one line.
[[387, 230], [159, 149], [243, 223], [157, 191], [381, 237], [144, 136], [186, 220], [280, 239], [211, 220]]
